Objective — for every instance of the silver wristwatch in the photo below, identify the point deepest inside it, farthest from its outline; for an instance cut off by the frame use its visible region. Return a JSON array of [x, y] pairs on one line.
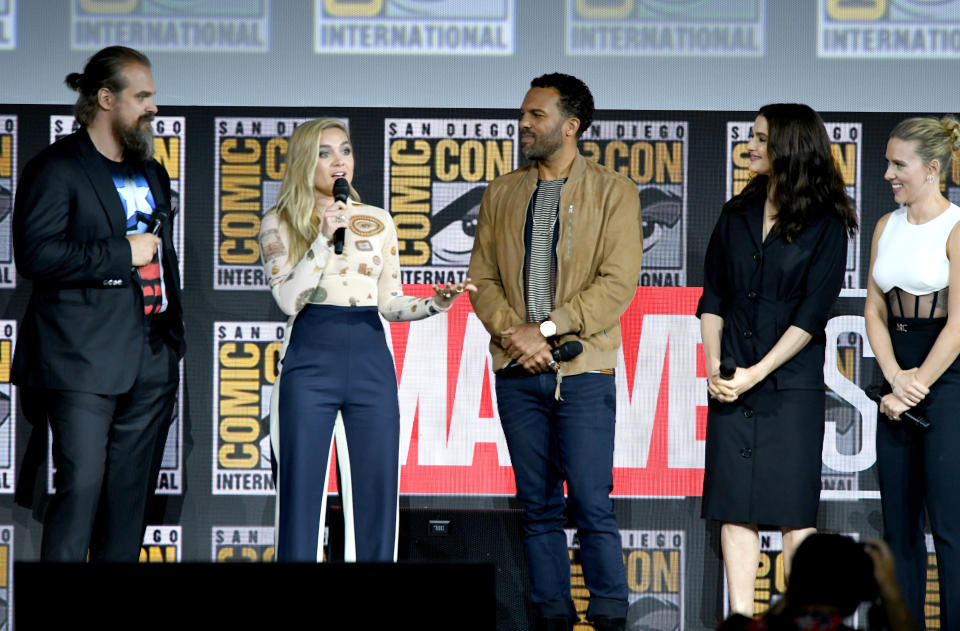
[[548, 328]]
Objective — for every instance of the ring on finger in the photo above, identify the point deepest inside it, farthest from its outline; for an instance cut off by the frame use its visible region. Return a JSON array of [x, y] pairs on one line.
[[340, 217]]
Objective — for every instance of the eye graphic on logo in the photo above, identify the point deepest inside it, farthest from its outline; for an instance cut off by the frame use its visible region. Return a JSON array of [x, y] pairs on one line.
[[451, 9], [6, 202], [4, 407], [921, 9], [453, 228], [174, 5], [666, 7], [266, 450], [421, 7], [661, 211], [649, 612]]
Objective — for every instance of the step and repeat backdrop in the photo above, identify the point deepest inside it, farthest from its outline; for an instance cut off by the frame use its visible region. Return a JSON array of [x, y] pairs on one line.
[[440, 82], [429, 168]]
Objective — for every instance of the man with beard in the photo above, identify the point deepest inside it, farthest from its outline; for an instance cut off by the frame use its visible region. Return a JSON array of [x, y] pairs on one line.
[[556, 259], [98, 351]]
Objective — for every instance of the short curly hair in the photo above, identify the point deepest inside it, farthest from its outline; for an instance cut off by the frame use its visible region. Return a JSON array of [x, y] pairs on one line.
[[575, 98]]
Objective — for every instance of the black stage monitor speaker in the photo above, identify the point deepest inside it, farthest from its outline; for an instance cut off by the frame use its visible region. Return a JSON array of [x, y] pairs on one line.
[[479, 536], [177, 596]]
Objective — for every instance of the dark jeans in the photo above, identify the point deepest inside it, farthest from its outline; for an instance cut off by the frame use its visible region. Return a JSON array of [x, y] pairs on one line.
[[571, 440]]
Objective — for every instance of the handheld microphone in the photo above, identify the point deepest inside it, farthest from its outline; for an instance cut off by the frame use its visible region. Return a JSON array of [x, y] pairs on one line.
[[341, 191], [160, 219], [917, 419], [563, 353], [567, 351], [728, 368]]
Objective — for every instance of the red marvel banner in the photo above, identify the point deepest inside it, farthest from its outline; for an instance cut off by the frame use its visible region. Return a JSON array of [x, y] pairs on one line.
[[451, 440]]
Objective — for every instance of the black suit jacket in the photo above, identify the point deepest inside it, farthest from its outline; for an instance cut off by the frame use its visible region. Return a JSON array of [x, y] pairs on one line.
[[84, 325]]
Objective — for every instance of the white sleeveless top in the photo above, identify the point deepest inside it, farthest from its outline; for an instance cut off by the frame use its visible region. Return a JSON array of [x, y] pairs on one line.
[[914, 257]]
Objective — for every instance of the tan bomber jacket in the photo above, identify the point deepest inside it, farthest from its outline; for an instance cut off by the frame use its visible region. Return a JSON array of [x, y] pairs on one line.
[[599, 249]]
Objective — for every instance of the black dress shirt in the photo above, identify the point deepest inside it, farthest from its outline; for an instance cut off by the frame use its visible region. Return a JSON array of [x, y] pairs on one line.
[[762, 287]]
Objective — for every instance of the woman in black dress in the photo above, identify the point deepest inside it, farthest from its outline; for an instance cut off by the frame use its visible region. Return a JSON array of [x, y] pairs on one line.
[[774, 267]]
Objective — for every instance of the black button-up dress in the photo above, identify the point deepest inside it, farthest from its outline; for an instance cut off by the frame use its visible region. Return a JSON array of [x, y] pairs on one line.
[[763, 451]]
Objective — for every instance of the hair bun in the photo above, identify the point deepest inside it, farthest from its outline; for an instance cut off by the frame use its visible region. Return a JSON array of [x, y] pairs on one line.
[[75, 81], [951, 127]]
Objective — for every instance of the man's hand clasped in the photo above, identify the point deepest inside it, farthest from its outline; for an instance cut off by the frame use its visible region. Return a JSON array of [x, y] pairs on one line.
[[525, 344]]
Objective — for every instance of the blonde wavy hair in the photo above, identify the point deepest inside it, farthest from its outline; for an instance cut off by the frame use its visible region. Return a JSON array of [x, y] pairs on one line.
[[296, 203], [936, 139]]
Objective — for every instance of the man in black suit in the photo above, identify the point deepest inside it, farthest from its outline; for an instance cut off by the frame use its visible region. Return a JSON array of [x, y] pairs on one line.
[[102, 336]]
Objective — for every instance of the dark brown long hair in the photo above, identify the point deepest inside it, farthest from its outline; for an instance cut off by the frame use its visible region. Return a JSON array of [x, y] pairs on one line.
[[804, 182]]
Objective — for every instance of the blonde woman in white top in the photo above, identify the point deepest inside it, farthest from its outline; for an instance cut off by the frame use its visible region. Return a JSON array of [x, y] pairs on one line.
[[913, 323]]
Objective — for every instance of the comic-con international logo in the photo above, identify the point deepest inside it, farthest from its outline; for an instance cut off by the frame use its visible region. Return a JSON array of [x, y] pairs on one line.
[[249, 163], [171, 25], [169, 144], [879, 29], [654, 155], [654, 560], [245, 358], [162, 544], [665, 28], [6, 576], [8, 408], [8, 183], [846, 147], [242, 544], [8, 27], [415, 27], [435, 173]]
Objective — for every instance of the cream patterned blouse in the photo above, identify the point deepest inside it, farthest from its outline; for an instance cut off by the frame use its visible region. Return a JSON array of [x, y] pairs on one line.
[[366, 274]]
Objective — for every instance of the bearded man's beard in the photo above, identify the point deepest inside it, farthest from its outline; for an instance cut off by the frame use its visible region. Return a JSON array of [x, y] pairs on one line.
[[137, 139]]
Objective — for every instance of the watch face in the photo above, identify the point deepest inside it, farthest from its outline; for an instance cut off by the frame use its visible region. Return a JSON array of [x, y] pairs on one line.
[[548, 328]]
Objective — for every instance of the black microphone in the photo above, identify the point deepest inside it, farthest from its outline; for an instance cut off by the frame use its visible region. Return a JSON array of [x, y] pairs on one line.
[[567, 351], [341, 191], [160, 219], [563, 353], [873, 393], [728, 368]]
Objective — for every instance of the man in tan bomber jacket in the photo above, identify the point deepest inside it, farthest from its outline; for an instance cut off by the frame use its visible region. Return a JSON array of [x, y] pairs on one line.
[[556, 259]]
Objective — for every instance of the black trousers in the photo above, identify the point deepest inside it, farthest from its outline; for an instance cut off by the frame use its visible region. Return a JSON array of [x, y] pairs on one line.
[[920, 470], [107, 450]]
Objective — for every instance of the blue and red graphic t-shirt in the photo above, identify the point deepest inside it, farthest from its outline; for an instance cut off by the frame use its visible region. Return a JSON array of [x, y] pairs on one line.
[[138, 203]]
